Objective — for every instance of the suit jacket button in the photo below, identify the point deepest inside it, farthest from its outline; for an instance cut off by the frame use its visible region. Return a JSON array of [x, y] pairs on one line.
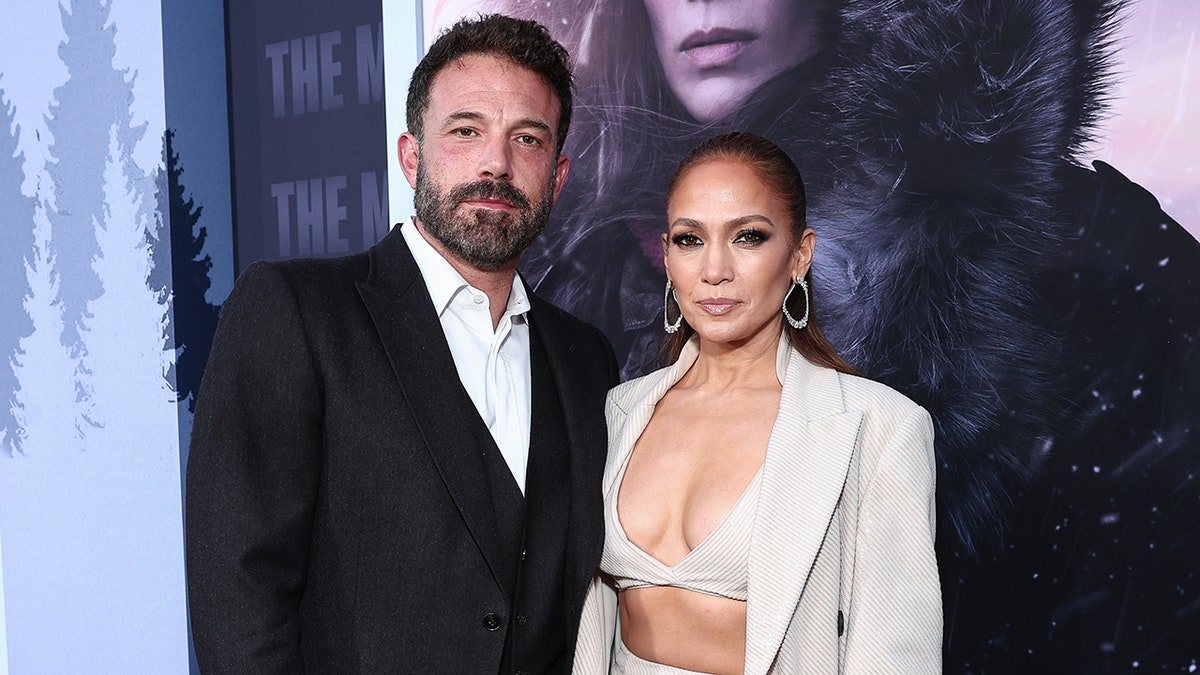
[[491, 621], [520, 619]]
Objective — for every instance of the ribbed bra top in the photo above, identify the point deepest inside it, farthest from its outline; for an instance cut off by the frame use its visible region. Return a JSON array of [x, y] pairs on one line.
[[717, 566]]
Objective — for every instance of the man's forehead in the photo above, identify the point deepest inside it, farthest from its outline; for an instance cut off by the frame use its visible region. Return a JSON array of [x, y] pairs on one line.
[[493, 75], [504, 68]]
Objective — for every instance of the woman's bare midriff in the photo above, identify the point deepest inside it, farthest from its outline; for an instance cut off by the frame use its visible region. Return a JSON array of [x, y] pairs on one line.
[[685, 629]]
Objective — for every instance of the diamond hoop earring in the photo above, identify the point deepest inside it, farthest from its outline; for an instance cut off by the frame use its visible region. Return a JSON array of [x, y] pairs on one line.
[[800, 323], [669, 295]]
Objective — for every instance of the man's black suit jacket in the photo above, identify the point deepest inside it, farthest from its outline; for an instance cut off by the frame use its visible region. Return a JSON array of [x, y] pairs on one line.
[[338, 515]]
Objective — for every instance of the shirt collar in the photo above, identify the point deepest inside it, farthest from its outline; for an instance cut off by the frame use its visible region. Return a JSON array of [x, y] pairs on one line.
[[444, 282]]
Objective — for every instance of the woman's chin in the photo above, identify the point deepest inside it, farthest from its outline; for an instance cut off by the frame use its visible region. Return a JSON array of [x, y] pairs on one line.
[[732, 334], [710, 101]]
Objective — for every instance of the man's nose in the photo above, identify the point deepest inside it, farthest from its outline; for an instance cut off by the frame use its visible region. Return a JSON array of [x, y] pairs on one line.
[[496, 160]]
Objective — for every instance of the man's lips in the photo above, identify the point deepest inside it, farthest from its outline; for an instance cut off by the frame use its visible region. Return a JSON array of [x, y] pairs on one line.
[[718, 306], [715, 47], [486, 194], [479, 202]]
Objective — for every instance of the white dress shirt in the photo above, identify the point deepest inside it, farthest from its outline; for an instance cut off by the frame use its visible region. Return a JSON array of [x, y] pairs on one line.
[[493, 365]]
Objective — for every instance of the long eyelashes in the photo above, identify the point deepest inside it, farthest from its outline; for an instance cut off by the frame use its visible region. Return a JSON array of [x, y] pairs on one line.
[[749, 236], [752, 236]]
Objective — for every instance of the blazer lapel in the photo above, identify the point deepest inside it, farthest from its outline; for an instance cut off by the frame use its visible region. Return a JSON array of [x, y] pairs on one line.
[[635, 407], [398, 301], [808, 457]]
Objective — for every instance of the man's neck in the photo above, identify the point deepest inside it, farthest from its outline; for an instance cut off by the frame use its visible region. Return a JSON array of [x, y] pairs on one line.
[[497, 284]]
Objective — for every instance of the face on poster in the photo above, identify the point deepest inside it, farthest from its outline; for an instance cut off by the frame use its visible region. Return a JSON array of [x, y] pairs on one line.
[[1146, 129]]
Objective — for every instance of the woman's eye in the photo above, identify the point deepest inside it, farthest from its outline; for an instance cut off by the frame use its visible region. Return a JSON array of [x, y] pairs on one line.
[[686, 240], [751, 237]]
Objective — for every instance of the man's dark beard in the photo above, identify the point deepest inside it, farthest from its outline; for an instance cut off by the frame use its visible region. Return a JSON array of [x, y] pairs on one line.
[[487, 238]]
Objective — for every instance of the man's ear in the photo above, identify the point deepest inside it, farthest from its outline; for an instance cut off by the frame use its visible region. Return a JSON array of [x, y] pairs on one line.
[[560, 174], [409, 151]]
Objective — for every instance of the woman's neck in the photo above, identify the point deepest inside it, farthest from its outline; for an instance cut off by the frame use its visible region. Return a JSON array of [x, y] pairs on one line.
[[725, 366]]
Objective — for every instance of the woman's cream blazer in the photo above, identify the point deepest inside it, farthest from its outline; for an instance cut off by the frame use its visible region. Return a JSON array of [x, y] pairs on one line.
[[843, 577]]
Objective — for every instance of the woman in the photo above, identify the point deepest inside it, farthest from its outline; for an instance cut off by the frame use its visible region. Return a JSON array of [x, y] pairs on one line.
[[1043, 312], [766, 510]]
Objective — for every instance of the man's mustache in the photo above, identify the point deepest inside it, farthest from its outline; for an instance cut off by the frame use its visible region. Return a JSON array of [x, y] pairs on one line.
[[489, 189]]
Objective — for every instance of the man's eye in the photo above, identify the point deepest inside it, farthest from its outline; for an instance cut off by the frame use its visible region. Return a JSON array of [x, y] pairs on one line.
[[464, 132], [528, 139]]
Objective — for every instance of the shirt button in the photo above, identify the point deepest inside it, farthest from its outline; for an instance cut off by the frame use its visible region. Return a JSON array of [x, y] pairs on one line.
[[521, 619], [479, 299], [522, 554], [491, 621]]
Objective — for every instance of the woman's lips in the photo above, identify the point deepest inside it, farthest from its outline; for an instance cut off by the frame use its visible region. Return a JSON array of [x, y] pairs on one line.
[[718, 306], [716, 47]]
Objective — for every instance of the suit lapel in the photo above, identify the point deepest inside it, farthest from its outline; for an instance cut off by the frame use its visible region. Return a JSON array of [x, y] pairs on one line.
[[398, 301], [586, 526], [808, 457]]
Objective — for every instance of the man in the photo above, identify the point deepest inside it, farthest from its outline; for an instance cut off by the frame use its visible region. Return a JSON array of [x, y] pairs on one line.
[[396, 456]]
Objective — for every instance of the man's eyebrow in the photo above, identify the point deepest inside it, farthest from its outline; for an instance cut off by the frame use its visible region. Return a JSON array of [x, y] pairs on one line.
[[473, 116], [536, 124], [464, 115]]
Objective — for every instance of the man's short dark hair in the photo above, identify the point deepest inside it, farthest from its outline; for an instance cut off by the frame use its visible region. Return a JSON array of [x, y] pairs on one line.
[[526, 43]]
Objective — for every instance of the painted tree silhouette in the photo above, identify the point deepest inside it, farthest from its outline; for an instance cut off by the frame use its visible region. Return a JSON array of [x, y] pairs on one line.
[[126, 333], [95, 98], [195, 318], [16, 243]]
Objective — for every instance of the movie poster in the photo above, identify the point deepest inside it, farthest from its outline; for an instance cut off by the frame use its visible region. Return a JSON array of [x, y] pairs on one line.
[[1000, 193], [306, 109]]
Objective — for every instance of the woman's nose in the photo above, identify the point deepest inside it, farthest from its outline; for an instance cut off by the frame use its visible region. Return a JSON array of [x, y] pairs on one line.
[[718, 265]]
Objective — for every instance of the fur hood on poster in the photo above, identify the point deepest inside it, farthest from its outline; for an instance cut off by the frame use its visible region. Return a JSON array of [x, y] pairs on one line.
[[932, 136], [946, 126]]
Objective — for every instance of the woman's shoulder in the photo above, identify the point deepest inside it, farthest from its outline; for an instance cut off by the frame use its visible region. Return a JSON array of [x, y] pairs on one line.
[[891, 422], [873, 393], [887, 413], [873, 398]]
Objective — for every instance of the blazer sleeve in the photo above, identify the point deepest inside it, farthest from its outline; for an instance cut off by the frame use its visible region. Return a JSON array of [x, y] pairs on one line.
[[599, 621], [894, 623], [597, 629], [252, 479]]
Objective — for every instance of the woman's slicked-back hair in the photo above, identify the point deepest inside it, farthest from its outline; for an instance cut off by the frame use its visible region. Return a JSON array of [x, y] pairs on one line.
[[524, 42], [776, 170], [770, 163]]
